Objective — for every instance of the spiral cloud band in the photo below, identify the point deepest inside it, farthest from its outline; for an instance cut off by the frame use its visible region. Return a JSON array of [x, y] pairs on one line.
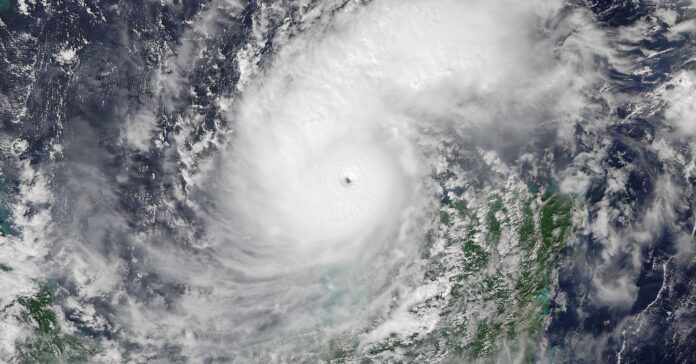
[[326, 146], [300, 181], [333, 144]]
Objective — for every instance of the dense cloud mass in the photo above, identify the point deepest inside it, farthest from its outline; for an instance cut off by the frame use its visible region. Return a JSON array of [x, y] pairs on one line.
[[347, 181]]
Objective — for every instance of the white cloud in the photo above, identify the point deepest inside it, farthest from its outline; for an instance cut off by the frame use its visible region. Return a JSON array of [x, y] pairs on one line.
[[620, 291], [681, 100], [66, 56], [315, 213], [137, 130], [351, 98]]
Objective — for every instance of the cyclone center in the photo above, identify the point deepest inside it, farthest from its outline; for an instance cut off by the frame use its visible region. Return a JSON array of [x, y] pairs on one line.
[[343, 193]]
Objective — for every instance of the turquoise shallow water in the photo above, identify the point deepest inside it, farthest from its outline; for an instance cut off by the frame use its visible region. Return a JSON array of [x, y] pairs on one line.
[[5, 5]]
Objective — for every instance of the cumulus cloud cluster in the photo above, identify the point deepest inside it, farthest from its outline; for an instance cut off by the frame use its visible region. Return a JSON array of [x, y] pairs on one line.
[[681, 112]]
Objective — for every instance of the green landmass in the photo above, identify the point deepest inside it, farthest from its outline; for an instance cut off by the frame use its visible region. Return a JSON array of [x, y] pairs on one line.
[[505, 244], [49, 344]]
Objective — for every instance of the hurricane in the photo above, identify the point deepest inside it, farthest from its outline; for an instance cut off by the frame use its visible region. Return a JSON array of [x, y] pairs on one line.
[[347, 181]]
